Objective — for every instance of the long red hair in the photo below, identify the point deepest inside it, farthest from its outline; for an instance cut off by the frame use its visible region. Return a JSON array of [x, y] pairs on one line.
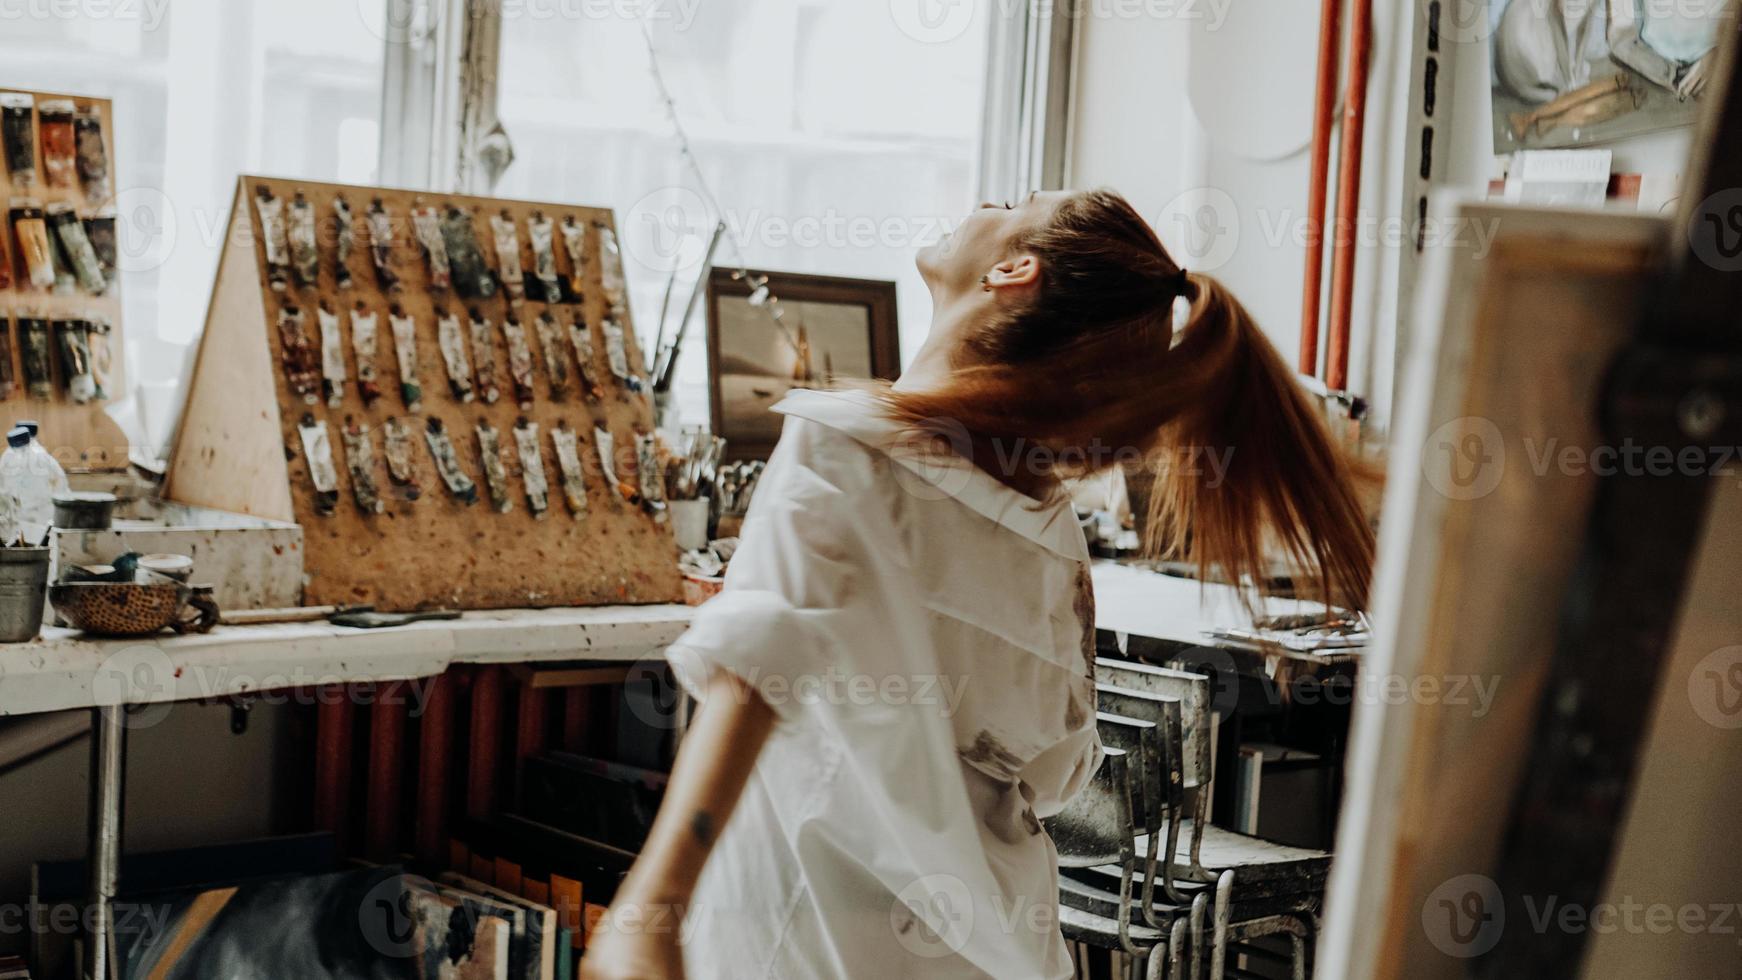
[[1092, 371]]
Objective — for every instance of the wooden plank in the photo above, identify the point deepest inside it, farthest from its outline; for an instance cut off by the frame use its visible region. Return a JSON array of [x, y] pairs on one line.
[[227, 452], [1479, 536]]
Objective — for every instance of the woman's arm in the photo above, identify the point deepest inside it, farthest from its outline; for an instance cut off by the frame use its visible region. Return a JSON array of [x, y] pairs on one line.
[[640, 938]]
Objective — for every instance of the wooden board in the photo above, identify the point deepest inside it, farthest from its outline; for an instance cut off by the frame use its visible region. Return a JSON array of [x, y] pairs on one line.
[[1478, 540], [81, 437], [238, 447]]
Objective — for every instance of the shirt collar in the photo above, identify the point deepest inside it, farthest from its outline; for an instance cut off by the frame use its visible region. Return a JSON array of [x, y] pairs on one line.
[[858, 415]]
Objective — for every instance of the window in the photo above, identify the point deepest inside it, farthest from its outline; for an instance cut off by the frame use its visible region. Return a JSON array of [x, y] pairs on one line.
[[836, 142], [203, 90]]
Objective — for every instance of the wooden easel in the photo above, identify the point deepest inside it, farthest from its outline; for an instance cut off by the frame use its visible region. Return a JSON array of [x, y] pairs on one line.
[[238, 447]]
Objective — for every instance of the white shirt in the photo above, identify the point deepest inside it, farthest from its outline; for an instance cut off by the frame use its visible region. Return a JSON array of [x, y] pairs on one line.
[[925, 635]]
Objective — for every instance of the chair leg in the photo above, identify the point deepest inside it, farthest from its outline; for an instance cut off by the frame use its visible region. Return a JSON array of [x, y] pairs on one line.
[[1197, 927], [1219, 947], [1298, 948], [1176, 951]]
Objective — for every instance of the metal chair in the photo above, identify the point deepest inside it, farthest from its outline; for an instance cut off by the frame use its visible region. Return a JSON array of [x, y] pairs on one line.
[[1096, 830], [1281, 887]]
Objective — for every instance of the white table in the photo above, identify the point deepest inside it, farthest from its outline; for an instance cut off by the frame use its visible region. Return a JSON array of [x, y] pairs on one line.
[[66, 670]]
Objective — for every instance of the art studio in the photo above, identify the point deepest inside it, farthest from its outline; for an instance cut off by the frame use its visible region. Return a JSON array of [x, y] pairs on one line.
[[870, 489]]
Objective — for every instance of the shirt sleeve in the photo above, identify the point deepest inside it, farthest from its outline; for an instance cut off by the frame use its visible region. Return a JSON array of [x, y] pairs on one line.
[[1061, 771], [805, 588]]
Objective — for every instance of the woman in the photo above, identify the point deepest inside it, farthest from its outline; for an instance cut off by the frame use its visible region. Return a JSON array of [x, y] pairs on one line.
[[897, 680]]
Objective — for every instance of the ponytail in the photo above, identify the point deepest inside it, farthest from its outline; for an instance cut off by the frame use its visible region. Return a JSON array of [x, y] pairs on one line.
[[1093, 372], [1280, 481]]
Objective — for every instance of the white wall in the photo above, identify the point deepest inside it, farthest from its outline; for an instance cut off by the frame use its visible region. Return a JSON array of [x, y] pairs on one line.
[[1216, 105]]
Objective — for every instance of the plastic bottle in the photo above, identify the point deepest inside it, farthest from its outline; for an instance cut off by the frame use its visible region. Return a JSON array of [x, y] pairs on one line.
[[24, 479], [57, 475]]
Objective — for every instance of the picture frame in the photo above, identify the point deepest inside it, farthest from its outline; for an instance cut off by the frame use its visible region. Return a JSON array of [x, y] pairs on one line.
[[834, 328]]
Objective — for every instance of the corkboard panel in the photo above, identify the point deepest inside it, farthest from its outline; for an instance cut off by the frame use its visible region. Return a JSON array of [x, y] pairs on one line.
[[81, 437], [434, 550]]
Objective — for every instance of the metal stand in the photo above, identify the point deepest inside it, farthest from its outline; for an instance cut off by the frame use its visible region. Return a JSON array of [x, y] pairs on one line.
[[108, 786]]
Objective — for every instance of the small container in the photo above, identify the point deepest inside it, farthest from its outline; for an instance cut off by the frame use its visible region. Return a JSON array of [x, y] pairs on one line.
[[689, 523], [84, 511], [178, 567], [23, 592]]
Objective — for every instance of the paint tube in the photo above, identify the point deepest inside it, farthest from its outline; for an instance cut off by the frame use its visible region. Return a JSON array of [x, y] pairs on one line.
[[333, 374], [76, 246], [519, 361], [426, 224], [100, 230], [317, 449], [484, 357], [8, 380], [611, 268], [542, 233], [652, 475], [495, 474], [441, 449], [102, 357], [305, 254], [401, 465], [360, 460], [365, 325], [556, 355], [405, 352], [617, 354], [301, 360], [93, 153], [54, 120], [18, 133], [30, 231], [568, 462], [38, 356], [532, 467], [72, 338], [581, 334], [379, 224], [607, 447], [472, 277], [451, 338], [575, 243], [345, 229], [273, 237], [507, 240]]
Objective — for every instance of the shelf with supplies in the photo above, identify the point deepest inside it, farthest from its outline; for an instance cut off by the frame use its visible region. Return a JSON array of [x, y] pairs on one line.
[[64, 669], [61, 335]]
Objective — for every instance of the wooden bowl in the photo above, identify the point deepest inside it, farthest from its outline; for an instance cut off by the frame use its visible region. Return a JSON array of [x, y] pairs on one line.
[[118, 608]]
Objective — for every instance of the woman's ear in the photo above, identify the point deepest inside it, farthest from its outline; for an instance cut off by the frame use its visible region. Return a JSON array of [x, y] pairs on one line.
[[1018, 270]]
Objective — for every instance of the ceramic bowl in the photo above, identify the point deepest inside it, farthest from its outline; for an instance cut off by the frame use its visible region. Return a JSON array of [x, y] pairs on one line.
[[123, 608]]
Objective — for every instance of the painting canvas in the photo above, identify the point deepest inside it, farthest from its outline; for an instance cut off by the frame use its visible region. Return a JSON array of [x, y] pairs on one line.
[[1570, 73], [830, 330]]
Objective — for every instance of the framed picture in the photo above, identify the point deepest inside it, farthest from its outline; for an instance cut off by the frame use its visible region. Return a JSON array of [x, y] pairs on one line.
[[1570, 73], [832, 330]]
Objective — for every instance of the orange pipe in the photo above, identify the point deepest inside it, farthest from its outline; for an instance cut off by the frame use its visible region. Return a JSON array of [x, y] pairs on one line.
[[1348, 199], [1318, 188]]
